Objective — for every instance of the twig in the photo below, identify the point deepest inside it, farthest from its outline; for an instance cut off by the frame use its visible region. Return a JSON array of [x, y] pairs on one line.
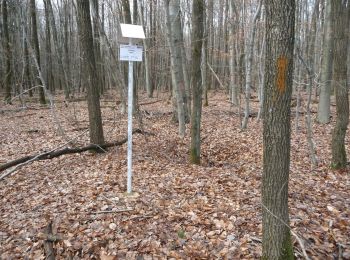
[[110, 211], [149, 103], [301, 243]]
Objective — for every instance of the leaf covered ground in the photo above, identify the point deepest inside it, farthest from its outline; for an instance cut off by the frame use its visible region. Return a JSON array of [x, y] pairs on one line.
[[182, 211]]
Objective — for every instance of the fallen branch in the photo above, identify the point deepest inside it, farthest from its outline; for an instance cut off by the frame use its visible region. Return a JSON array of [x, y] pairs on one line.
[[151, 102], [57, 153], [216, 76]]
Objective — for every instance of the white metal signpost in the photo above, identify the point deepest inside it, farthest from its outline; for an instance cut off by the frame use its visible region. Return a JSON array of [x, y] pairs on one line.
[[130, 34]]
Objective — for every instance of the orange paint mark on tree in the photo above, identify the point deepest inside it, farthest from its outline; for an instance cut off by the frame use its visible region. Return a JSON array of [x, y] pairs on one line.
[[282, 63]]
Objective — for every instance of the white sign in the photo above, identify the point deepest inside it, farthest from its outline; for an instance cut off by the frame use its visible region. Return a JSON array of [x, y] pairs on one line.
[[130, 52], [131, 31]]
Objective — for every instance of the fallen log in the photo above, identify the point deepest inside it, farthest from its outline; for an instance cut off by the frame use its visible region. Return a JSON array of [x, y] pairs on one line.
[[59, 152]]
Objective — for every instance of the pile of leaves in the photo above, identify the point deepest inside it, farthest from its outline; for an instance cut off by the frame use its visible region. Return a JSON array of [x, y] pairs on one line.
[[177, 210]]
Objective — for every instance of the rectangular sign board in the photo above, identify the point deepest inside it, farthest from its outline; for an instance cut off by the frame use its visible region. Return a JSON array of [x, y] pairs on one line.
[[130, 52]]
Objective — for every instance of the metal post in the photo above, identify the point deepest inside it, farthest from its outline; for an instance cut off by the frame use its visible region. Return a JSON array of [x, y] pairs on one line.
[[130, 102]]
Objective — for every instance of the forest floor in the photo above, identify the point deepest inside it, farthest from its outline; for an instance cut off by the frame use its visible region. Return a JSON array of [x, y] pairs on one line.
[[182, 211]]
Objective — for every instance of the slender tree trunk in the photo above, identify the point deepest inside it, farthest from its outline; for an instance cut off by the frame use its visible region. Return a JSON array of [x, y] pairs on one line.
[[249, 46], [233, 27], [148, 83], [276, 130], [324, 105], [172, 8], [341, 31], [36, 48], [87, 47], [49, 75], [7, 47], [27, 68], [197, 35], [205, 59]]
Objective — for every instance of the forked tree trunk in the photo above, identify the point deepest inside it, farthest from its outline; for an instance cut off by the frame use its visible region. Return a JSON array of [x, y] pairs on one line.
[[276, 130], [341, 31]]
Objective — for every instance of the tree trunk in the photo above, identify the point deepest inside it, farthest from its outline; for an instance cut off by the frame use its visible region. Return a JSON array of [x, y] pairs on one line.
[[87, 53], [172, 8], [197, 36], [148, 83], [36, 48], [324, 105], [341, 31], [249, 48], [233, 27], [276, 130], [205, 59], [97, 44], [49, 74], [7, 47]]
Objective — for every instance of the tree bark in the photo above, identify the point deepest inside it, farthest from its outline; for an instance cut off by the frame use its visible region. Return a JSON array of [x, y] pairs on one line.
[[36, 48], [87, 53], [341, 31], [233, 28], [7, 47], [276, 130], [97, 44], [324, 105], [49, 75], [172, 9], [197, 37], [249, 49]]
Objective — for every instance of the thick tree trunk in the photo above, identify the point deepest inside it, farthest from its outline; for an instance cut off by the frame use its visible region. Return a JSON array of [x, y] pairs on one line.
[[276, 130], [87, 53], [7, 47], [324, 105], [197, 36], [36, 48], [341, 31]]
